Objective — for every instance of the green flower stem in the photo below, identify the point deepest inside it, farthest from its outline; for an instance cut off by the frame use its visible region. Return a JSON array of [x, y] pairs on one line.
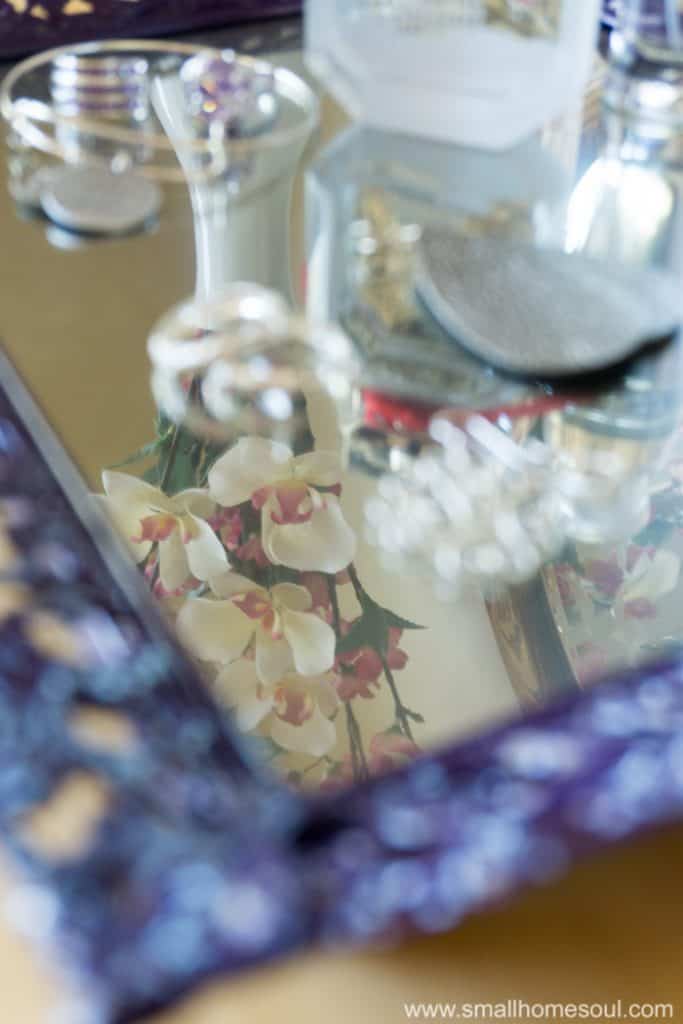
[[355, 763], [357, 585], [403, 713], [193, 394], [148, 558], [334, 601], [359, 762], [203, 466], [170, 459], [358, 759], [153, 551]]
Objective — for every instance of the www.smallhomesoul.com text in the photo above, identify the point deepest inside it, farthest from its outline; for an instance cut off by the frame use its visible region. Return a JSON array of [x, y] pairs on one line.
[[520, 1010]]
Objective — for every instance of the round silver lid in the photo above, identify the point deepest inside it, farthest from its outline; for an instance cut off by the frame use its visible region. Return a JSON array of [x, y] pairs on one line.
[[94, 200]]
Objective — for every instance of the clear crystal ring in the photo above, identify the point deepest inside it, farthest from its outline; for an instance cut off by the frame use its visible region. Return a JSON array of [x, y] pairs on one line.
[[243, 363]]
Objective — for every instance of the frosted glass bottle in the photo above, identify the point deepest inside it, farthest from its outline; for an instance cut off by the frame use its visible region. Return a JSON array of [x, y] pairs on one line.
[[477, 72]]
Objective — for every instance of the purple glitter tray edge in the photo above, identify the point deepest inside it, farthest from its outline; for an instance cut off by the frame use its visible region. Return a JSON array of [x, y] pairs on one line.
[[189, 831], [22, 33]]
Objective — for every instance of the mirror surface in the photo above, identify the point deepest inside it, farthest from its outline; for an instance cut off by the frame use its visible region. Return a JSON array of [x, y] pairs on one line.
[[425, 574]]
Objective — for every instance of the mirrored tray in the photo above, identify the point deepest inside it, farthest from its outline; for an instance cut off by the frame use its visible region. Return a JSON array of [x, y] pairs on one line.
[[365, 741]]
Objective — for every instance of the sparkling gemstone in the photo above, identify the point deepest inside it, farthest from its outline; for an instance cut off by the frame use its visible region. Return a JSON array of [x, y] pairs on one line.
[[229, 90]]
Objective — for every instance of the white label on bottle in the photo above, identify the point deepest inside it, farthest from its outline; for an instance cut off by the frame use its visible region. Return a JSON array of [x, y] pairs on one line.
[[531, 18]]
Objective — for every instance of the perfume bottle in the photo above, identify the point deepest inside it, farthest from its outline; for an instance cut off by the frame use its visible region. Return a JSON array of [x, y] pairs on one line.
[[627, 205], [375, 197], [370, 197], [477, 72]]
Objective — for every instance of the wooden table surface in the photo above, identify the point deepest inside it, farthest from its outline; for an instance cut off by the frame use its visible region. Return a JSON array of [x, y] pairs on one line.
[[610, 930]]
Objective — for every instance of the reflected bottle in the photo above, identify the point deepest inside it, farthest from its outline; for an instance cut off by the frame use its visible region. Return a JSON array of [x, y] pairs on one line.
[[627, 208], [627, 205], [370, 197]]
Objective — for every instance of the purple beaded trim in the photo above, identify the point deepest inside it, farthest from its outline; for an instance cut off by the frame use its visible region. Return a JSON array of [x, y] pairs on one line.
[[201, 865], [41, 24]]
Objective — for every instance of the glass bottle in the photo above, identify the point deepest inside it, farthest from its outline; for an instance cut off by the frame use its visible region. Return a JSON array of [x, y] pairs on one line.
[[465, 71]]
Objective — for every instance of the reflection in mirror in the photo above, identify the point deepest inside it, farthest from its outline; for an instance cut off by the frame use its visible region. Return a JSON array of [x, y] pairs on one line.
[[351, 614], [371, 541], [92, 160]]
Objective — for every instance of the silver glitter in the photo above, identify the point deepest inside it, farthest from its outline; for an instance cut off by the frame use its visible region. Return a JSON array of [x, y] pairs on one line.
[[542, 312]]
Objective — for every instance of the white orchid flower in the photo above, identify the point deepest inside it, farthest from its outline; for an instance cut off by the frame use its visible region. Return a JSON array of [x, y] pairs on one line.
[[144, 515], [287, 635], [302, 527], [296, 713]]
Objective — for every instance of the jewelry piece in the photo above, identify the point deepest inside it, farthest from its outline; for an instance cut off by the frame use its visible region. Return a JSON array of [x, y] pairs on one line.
[[234, 94], [114, 87], [479, 507], [242, 363], [115, 90]]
